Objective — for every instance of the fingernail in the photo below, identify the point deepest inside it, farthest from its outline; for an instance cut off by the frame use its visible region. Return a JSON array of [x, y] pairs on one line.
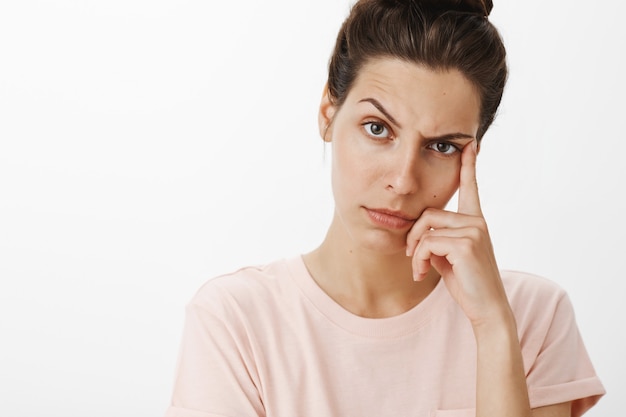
[[475, 145]]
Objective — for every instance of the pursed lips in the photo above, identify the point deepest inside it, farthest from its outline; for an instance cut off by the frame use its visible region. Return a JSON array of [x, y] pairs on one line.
[[400, 214], [392, 219]]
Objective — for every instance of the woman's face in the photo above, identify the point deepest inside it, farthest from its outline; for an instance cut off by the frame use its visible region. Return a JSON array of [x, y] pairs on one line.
[[397, 143]]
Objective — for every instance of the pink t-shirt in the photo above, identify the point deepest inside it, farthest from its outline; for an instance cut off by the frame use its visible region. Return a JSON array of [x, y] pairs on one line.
[[267, 341]]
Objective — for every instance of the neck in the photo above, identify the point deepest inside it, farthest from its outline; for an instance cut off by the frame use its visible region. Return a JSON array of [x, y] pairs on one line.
[[365, 281]]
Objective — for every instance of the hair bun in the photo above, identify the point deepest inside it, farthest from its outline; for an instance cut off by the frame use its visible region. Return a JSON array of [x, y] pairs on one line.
[[480, 7]]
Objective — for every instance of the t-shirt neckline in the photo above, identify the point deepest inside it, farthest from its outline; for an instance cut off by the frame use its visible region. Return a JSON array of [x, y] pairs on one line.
[[403, 324]]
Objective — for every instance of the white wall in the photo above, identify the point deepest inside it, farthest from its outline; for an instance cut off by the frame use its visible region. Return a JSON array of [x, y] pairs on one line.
[[144, 145]]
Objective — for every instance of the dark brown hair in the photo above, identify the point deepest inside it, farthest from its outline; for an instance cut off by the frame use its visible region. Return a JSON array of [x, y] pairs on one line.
[[439, 34]]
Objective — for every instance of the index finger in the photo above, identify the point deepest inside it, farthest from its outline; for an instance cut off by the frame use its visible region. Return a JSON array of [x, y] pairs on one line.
[[469, 202]]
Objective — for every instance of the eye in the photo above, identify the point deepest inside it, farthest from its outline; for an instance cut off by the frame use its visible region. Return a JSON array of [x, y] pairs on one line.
[[376, 129], [445, 148]]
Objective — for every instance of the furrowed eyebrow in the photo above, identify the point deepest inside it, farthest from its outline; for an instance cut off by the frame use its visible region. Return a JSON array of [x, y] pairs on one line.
[[450, 136], [381, 109]]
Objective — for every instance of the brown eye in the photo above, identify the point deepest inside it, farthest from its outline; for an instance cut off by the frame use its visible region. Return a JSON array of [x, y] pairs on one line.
[[444, 148], [377, 130]]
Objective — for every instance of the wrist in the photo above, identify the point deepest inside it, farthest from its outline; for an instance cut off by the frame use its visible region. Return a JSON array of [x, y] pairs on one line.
[[496, 327], [501, 375]]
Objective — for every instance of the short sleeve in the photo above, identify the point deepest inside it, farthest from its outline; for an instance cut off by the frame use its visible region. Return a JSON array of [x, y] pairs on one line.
[[215, 376], [562, 370]]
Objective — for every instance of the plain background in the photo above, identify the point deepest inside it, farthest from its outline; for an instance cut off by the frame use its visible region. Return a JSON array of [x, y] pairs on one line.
[[149, 145]]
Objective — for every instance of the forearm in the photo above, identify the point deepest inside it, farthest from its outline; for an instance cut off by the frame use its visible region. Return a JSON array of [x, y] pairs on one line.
[[501, 383]]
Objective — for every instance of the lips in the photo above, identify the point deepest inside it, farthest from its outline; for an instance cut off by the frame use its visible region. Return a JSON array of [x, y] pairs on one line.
[[391, 219]]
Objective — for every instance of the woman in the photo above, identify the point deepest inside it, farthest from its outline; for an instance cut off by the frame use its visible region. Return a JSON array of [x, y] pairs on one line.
[[401, 311]]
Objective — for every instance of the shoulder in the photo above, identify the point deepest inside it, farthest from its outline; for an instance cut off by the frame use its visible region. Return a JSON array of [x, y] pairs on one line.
[[527, 287], [244, 290], [557, 365], [537, 302]]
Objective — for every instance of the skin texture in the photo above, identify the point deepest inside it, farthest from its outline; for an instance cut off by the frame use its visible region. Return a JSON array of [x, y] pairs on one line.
[[403, 143], [402, 172]]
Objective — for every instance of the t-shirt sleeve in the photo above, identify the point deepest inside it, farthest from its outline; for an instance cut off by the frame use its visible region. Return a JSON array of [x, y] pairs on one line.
[[562, 370], [215, 376]]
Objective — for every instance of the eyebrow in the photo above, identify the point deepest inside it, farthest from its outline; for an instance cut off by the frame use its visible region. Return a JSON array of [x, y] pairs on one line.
[[447, 136], [450, 136], [381, 109]]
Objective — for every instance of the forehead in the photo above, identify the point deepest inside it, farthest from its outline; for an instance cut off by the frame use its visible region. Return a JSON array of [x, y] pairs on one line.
[[400, 75], [414, 93]]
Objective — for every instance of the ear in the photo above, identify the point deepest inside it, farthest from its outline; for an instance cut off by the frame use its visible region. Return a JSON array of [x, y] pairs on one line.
[[325, 116]]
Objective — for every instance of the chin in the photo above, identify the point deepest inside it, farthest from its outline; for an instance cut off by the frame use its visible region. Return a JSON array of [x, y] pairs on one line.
[[384, 243]]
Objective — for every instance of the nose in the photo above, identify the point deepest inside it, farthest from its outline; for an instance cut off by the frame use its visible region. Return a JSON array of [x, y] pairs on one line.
[[402, 176]]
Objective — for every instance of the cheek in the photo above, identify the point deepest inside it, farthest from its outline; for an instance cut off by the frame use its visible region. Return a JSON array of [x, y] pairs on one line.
[[353, 168], [442, 183]]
